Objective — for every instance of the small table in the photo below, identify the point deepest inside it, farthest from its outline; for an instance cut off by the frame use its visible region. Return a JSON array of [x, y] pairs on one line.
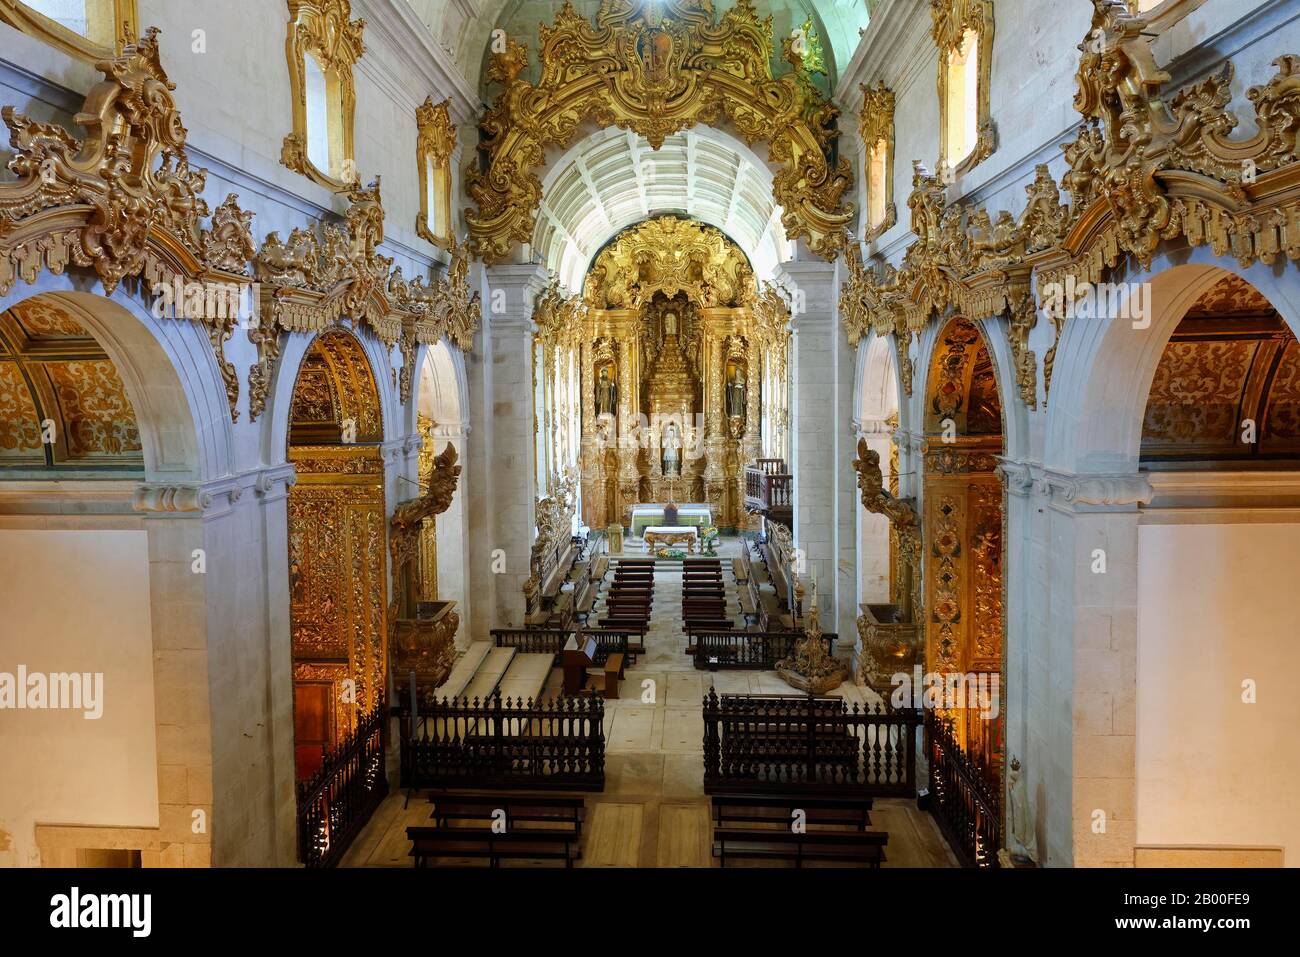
[[671, 535]]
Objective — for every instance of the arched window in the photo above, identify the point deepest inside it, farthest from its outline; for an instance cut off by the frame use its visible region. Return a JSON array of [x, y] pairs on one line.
[[963, 33], [323, 46], [434, 147], [876, 126], [87, 29]]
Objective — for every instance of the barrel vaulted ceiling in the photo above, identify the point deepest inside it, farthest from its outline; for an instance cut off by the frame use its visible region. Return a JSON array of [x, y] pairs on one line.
[[613, 179]]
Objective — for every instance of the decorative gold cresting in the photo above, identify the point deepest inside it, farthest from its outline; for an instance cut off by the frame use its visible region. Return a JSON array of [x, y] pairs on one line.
[[656, 69], [124, 201], [876, 127], [670, 256], [325, 30], [116, 22], [319, 277], [435, 143], [1147, 169], [951, 22]]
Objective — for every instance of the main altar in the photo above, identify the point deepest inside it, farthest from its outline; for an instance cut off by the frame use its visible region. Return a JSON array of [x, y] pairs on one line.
[[676, 367]]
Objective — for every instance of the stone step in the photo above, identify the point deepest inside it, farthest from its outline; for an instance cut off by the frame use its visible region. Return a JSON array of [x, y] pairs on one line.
[[526, 677], [463, 671], [489, 674]]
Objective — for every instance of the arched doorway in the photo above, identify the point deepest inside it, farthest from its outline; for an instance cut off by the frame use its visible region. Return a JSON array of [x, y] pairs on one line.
[[1217, 548], [964, 532], [337, 566], [877, 418]]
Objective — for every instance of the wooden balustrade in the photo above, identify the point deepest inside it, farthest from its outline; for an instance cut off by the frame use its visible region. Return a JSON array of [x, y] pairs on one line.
[[335, 802], [769, 490], [805, 744], [550, 641], [965, 797], [495, 743], [747, 650]]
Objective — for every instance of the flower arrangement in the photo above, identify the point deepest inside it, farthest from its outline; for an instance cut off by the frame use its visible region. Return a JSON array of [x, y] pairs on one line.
[[709, 542]]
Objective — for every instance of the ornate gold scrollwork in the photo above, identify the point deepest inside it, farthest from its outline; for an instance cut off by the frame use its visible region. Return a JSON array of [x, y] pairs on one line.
[[318, 277], [655, 75], [420, 642], [124, 200], [670, 255], [951, 22], [876, 126], [435, 143], [324, 30], [117, 20]]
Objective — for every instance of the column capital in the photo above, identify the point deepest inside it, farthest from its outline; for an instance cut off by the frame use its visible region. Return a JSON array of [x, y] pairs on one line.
[[1074, 492]]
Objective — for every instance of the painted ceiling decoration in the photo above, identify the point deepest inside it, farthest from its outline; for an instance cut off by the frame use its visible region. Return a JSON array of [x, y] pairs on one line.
[[1149, 166], [1230, 362], [63, 404], [656, 69], [463, 28]]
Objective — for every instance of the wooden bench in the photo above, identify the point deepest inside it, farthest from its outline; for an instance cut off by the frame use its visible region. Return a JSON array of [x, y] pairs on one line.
[[531, 844], [779, 809], [865, 848], [559, 812]]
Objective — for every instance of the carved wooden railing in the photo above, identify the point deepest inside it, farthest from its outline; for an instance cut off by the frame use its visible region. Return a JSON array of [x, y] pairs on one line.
[[769, 490], [964, 797], [806, 744], [505, 743], [550, 641], [336, 802], [747, 650]]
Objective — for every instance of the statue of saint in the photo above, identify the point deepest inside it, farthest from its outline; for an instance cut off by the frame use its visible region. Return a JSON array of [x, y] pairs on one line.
[[736, 396], [670, 323], [1021, 841], [606, 394], [672, 452]]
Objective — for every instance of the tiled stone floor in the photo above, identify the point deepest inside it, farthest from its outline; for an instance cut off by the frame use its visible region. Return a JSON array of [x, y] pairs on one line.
[[653, 811]]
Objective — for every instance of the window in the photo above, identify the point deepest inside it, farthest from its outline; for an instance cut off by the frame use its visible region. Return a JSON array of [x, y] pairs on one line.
[[87, 29], [876, 126], [434, 147], [963, 33], [324, 45]]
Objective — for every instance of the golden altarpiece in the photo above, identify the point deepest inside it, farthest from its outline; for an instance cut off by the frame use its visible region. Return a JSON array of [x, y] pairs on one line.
[[666, 358]]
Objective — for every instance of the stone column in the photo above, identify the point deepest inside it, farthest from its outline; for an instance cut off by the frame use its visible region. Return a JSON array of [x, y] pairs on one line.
[[1080, 667], [822, 441], [499, 476], [453, 540]]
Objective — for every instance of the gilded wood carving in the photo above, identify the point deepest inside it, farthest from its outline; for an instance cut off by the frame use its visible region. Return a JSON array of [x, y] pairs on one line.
[[656, 70]]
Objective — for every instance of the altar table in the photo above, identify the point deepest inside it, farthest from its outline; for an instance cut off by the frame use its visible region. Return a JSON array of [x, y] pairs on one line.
[[670, 535]]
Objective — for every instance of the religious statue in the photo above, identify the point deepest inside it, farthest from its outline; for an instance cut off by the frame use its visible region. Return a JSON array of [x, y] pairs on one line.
[[736, 396], [606, 394], [672, 451], [670, 324], [1022, 841]]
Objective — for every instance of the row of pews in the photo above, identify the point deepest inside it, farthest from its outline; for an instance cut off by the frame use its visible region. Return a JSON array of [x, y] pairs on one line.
[[796, 829], [704, 600], [499, 827], [630, 596]]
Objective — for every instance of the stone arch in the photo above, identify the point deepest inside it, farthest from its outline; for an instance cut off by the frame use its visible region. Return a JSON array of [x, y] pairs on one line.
[[1103, 370], [169, 374]]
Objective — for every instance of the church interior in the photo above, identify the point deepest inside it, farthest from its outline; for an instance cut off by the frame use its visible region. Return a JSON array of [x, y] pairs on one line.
[[649, 433]]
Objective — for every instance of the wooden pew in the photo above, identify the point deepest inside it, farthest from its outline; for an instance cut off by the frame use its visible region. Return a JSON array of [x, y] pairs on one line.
[[778, 809], [530, 844], [558, 812], [865, 848]]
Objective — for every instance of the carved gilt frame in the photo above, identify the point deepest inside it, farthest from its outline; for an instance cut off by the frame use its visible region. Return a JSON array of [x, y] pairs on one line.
[[876, 125], [125, 29], [434, 147], [323, 30], [951, 21]]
